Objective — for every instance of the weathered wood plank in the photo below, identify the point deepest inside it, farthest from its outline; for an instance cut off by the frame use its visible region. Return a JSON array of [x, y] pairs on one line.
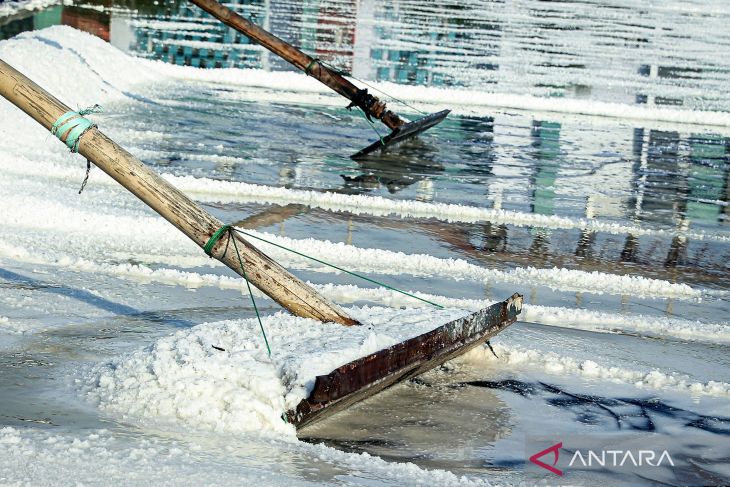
[[369, 375]]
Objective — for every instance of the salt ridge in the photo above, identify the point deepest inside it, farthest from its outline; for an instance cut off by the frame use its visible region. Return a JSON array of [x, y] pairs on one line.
[[230, 191], [211, 190], [429, 96], [137, 234], [371, 260], [555, 364], [127, 71], [391, 262], [343, 294]]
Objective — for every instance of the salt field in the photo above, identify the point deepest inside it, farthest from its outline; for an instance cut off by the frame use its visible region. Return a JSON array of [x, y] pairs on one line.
[[585, 165]]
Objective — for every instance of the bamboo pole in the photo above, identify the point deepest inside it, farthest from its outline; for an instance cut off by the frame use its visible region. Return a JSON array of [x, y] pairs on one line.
[[171, 204], [370, 104]]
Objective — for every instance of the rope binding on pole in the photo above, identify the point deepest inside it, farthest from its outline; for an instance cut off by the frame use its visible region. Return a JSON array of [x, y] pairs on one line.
[[73, 125]]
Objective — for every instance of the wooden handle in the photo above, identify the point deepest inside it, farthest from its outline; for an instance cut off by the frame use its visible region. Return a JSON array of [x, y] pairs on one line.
[[171, 204]]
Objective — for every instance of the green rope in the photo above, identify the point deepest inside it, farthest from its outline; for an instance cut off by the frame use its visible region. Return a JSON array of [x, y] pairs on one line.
[[93, 109], [372, 125], [337, 267], [255, 308], [73, 126], [208, 247]]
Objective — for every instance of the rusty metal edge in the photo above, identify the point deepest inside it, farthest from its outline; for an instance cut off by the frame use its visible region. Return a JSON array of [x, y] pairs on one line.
[[410, 129], [365, 377]]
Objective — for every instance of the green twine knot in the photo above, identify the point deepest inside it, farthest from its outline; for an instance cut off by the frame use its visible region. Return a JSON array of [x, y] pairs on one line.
[[93, 109]]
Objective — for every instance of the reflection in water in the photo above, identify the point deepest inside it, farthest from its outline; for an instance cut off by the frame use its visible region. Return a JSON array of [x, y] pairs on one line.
[[494, 238], [546, 145], [617, 413], [410, 162], [550, 168], [546, 151], [680, 181], [656, 178], [415, 422]]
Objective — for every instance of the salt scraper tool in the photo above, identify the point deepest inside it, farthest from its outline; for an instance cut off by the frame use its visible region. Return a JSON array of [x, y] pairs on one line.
[[372, 106]]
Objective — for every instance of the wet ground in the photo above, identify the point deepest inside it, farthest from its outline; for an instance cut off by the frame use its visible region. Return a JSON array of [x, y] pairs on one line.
[[670, 180]]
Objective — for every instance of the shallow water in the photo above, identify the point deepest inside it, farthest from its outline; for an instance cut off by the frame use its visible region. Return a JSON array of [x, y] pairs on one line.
[[669, 180]]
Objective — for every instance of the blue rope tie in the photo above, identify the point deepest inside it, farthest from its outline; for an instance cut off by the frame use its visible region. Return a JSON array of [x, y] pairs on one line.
[[73, 125]]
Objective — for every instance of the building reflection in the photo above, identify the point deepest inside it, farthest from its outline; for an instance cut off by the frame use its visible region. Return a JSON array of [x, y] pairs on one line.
[[545, 137], [661, 161], [668, 180], [680, 182], [420, 160]]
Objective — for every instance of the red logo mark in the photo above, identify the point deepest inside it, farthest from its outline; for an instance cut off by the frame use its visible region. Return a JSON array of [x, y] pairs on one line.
[[555, 449]]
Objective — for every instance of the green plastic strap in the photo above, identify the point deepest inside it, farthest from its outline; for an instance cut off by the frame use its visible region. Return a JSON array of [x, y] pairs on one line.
[[63, 118], [73, 125], [338, 268], [309, 66], [208, 247]]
